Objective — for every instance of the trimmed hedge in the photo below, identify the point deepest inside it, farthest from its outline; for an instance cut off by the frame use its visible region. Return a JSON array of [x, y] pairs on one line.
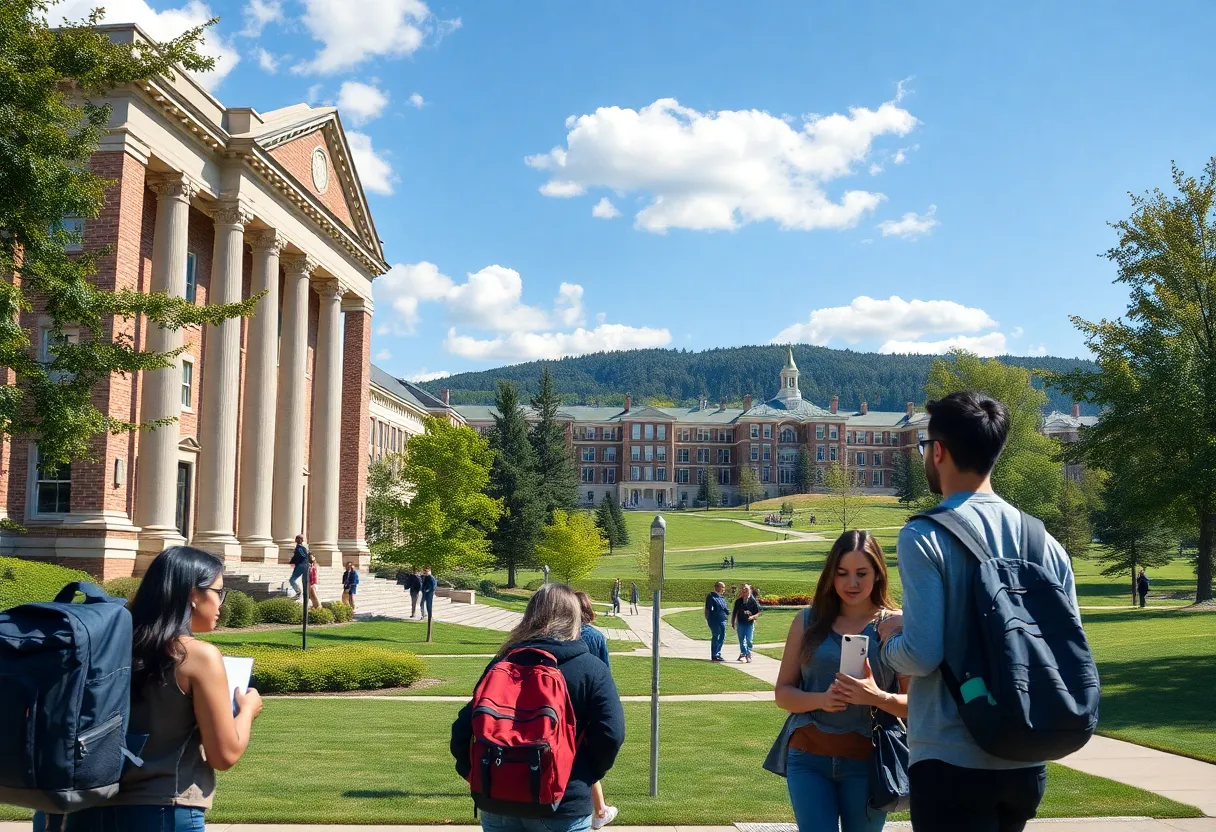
[[121, 587], [320, 615], [239, 611], [27, 581], [785, 601], [324, 669], [280, 611], [342, 612]]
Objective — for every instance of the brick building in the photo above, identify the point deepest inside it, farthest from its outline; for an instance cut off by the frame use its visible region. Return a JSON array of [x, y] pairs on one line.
[[272, 430]]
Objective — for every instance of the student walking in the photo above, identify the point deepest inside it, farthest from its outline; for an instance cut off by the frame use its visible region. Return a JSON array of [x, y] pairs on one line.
[[350, 585], [552, 623], [616, 597], [955, 784], [1142, 588], [179, 698], [743, 621], [716, 613], [413, 583], [299, 564], [602, 814], [825, 750], [633, 598], [312, 583], [427, 585]]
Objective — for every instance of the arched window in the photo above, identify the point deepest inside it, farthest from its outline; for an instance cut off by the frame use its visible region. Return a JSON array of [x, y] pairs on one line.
[[788, 435]]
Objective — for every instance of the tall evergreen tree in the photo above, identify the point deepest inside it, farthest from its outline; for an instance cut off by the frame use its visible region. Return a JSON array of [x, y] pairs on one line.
[[1133, 538], [618, 517], [804, 475], [1070, 522], [605, 520], [908, 477], [749, 486], [514, 481], [709, 492], [554, 464]]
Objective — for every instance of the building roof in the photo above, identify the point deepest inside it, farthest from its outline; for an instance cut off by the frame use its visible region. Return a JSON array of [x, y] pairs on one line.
[[1057, 421], [879, 419], [406, 391], [792, 408]]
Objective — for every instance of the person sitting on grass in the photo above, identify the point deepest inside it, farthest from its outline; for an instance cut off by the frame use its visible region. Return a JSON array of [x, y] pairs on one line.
[[597, 646], [743, 621], [552, 622]]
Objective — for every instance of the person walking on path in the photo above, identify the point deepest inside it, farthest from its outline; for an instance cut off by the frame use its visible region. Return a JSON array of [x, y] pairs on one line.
[[1142, 588], [312, 583], [602, 814], [180, 700], [350, 585], [743, 621], [716, 613], [954, 783], [552, 622], [427, 585], [299, 564], [825, 749], [616, 597], [413, 583], [633, 598]]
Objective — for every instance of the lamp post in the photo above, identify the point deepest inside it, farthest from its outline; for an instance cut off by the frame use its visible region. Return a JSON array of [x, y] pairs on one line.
[[658, 539]]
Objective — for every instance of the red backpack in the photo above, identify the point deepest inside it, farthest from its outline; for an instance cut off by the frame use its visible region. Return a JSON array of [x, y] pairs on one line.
[[524, 738]]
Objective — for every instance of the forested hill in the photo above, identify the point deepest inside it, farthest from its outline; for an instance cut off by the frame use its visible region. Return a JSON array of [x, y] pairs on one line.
[[659, 376]]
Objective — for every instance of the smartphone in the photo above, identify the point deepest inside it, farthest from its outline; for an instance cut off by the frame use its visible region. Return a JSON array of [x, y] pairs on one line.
[[853, 654]]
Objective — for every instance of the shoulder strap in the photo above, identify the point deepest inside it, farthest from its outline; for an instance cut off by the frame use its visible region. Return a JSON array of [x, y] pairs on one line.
[[948, 519], [1034, 539]]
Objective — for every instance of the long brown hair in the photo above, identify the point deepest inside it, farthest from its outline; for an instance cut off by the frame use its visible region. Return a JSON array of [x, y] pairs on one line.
[[553, 612], [826, 604], [584, 603]]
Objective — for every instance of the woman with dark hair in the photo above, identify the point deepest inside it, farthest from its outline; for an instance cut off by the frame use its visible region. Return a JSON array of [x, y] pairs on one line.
[[743, 621], [552, 622], [825, 750], [179, 699]]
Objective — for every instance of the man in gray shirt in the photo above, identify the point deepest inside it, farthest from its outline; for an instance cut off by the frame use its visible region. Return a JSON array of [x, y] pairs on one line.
[[956, 785]]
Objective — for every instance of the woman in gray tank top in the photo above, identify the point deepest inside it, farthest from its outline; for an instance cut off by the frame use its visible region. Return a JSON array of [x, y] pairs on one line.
[[824, 751], [179, 701]]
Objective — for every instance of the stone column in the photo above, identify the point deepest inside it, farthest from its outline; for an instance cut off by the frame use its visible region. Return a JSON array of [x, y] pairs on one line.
[[160, 398], [326, 427], [356, 383], [214, 528], [257, 419], [287, 519]]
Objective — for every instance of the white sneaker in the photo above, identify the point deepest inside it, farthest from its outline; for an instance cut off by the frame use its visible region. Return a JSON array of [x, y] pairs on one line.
[[610, 813]]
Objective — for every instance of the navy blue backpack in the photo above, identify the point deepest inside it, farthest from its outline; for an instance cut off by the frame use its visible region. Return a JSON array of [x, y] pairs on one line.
[[1028, 687], [65, 689]]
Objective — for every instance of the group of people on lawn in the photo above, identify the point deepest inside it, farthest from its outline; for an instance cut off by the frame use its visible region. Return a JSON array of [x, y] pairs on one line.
[[181, 699]]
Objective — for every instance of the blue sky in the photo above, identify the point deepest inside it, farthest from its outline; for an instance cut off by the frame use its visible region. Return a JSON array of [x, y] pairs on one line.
[[898, 177]]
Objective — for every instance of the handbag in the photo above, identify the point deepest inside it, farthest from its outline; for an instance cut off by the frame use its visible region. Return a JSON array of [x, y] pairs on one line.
[[889, 788]]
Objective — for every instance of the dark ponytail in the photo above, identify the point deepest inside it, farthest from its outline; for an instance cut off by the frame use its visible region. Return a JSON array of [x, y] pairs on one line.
[[160, 612]]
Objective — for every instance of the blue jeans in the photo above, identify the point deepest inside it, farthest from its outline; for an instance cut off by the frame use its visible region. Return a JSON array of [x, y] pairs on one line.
[[428, 604], [746, 631], [502, 823], [717, 633], [136, 819], [300, 571], [830, 794]]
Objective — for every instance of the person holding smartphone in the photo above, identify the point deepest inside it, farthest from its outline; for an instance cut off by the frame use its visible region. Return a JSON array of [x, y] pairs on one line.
[[743, 621], [824, 750]]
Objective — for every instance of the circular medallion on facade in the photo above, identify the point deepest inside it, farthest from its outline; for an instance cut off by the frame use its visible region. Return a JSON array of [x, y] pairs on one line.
[[320, 170]]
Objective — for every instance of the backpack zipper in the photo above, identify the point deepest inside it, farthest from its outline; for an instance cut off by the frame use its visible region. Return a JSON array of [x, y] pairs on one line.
[[83, 740], [539, 712]]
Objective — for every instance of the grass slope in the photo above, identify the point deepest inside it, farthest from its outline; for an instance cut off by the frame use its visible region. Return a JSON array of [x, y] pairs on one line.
[[773, 625]]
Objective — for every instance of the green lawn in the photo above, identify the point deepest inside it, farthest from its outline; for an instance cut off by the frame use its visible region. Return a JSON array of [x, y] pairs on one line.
[[686, 530], [1095, 589], [631, 673], [612, 622], [773, 625]]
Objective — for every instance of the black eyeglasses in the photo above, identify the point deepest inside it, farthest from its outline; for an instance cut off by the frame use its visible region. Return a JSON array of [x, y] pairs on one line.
[[923, 443], [223, 593]]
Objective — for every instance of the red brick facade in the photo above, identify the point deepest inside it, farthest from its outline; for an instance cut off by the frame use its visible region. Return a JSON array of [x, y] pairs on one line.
[[356, 386], [296, 156]]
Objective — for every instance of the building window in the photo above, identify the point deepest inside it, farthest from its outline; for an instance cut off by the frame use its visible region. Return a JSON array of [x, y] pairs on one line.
[[682, 475], [861, 460], [661, 453], [755, 431], [682, 455], [660, 474], [702, 456], [635, 497], [191, 278], [724, 456], [187, 382], [877, 478], [74, 226], [591, 433], [876, 460], [635, 453], [768, 431], [787, 435], [635, 473], [588, 454], [588, 475], [590, 496], [609, 433], [869, 437], [786, 476], [661, 431], [730, 436], [702, 434], [724, 476], [820, 453], [848, 438], [649, 453], [371, 439], [833, 433], [648, 473], [764, 474], [832, 457], [768, 453], [636, 432], [818, 431], [684, 435], [649, 432], [609, 475], [52, 488], [609, 454], [755, 453]]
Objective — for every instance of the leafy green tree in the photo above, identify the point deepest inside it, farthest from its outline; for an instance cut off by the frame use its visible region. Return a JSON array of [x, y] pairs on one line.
[[1132, 536], [606, 522], [515, 482], [709, 493], [1156, 377], [52, 119], [1028, 473], [554, 463], [804, 474], [749, 486], [618, 516], [427, 506], [844, 494], [1070, 522], [571, 544]]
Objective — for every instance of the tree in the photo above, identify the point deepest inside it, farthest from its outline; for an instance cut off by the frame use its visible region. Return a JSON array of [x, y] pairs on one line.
[[908, 477], [1156, 377], [844, 494], [427, 506], [1132, 539], [52, 124], [605, 521], [554, 464], [618, 517], [514, 481], [804, 474], [1070, 523], [749, 486], [1028, 473], [571, 545], [709, 492]]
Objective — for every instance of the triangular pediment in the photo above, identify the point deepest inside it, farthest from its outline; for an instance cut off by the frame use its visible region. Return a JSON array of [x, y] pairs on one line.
[[647, 412]]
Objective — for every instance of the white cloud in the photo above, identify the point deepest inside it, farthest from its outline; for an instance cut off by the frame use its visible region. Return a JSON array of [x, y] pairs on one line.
[[1041, 349], [901, 155], [268, 62], [416, 101], [875, 169], [911, 225], [259, 14], [161, 25], [568, 307], [492, 299], [605, 210], [985, 345], [1016, 332], [375, 172], [314, 94], [892, 319], [426, 375], [402, 288], [533, 346], [362, 102], [722, 170], [383, 355], [379, 28]]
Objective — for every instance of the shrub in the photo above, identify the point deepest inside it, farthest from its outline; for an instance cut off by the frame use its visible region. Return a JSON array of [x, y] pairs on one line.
[[27, 581], [342, 612], [240, 610], [280, 611], [121, 587], [487, 588], [785, 601], [460, 581], [320, 616], [319, 669], [534, 585]]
